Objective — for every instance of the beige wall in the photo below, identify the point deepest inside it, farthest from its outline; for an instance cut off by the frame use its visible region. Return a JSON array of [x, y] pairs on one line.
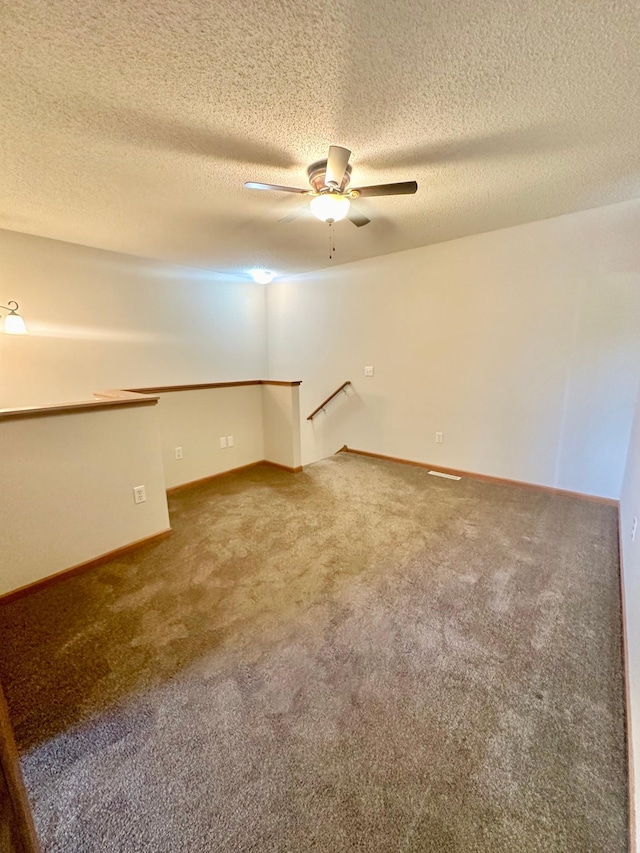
[[67, 489], [102, 320], [281, 418], [630, 510], [196, 420], [519, 345], [515, 344], [67, 482], [264, 421]]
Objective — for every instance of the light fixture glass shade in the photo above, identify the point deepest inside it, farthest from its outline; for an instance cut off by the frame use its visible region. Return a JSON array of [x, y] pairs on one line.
[[14, 324], [262, 276], [330, 207]]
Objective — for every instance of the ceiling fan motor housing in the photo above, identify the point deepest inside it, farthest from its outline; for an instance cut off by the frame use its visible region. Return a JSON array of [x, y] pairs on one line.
[[317, 173]]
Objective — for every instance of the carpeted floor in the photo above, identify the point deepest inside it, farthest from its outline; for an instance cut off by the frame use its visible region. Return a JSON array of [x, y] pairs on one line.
[[360, 657]]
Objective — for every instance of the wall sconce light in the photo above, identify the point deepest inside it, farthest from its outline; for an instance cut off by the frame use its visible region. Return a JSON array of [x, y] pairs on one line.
[[13, 322]]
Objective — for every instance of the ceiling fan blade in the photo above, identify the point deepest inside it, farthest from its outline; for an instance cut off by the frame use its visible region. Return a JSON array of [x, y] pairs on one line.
[[403, 188], [336, 165], [252, 185], [299, 211], [357, 218]]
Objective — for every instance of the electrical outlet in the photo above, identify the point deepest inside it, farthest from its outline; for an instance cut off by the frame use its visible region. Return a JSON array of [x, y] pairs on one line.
[[223, 441], [139, 494], [178, 453], [230, 441], [368, 371], [439, 437], [633, 529]]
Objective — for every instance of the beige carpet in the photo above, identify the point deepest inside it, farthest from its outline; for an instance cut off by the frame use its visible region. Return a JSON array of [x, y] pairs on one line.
[[360, 657]]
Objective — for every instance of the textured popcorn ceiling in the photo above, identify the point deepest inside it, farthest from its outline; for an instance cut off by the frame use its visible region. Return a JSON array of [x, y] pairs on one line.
[[132, 125]]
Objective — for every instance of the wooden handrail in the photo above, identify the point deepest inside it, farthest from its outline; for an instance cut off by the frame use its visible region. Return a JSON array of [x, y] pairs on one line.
[[328, 400]]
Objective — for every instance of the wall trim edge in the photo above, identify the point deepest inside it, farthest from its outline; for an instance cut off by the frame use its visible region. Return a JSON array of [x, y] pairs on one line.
[[627, 697], [288, 468], [202, 480], [485, 478], [80, 568]]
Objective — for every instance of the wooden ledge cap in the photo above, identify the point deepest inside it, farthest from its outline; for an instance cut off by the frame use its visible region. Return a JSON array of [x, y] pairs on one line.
[[203, 386], [128, 397], [101, 400]]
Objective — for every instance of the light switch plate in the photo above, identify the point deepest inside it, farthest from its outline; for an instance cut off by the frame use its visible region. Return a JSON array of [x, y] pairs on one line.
[[368, 371]]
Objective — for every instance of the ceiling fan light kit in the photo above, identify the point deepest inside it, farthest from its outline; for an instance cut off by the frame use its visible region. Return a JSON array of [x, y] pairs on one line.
[[330, 206]]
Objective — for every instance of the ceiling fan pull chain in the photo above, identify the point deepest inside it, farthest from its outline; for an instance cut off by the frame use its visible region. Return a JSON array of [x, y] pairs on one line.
[[332, 242]]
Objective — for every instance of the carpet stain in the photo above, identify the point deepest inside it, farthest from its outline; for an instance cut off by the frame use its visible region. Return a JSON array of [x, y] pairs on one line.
[[359, 657]]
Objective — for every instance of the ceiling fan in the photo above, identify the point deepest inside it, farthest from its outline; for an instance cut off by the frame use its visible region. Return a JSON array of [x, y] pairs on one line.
[[330, 193]]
